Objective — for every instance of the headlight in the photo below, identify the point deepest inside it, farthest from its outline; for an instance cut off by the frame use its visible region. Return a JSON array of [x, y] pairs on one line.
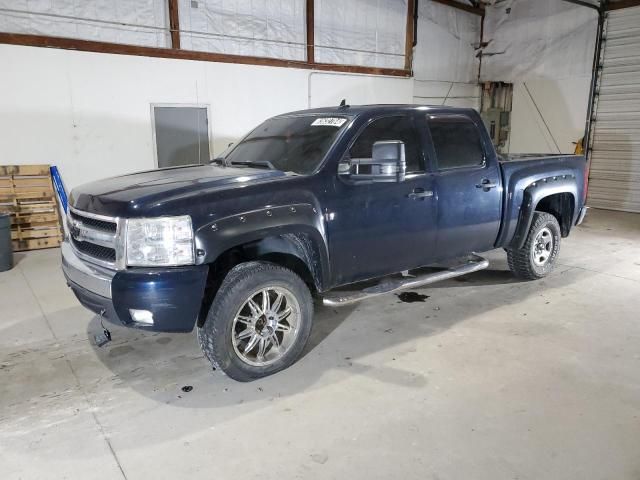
[[158, 242]]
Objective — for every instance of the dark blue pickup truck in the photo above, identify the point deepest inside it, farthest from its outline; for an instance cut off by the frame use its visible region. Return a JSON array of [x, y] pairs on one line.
[[308, 202]]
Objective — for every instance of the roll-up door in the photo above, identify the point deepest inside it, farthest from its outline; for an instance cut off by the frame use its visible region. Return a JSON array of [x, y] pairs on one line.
[[614, 181]]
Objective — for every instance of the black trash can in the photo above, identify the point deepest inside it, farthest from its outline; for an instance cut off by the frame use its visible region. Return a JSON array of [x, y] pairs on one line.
[[6, 249]]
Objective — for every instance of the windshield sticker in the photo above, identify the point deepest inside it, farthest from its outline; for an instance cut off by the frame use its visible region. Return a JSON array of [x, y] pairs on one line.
[[328, 122]]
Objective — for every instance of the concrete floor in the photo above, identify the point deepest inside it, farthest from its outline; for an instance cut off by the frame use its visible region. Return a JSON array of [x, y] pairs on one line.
[[488, 378]]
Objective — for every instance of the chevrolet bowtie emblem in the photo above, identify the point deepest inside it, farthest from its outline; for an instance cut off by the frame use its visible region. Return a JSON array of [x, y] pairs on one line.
[[75, 228]]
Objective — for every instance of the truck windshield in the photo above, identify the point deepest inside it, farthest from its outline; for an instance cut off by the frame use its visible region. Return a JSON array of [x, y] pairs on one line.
[[291, 144]]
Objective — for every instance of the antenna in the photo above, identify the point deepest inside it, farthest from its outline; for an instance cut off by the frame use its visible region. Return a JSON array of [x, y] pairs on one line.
[[343, 103]]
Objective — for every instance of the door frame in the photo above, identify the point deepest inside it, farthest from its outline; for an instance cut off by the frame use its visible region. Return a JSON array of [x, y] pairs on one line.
[[152, 107]]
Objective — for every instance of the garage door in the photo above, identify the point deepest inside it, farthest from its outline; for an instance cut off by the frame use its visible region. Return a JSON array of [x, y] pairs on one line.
[[614, 182]]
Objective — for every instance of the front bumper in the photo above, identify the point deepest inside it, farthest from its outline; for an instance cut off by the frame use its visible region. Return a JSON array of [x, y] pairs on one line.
[[172, 295]]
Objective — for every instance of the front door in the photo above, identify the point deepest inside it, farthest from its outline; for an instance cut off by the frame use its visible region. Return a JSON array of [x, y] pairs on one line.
[[468, 186], [381, 228]]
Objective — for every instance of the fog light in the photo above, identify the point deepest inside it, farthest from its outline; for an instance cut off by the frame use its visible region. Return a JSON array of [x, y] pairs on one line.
[[141, 316]]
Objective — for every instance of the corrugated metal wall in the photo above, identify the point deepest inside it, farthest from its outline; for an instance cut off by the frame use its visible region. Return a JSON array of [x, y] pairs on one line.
[[615, 159]]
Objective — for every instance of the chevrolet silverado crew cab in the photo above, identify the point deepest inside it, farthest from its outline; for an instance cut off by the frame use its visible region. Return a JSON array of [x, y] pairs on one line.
[[339, 203]]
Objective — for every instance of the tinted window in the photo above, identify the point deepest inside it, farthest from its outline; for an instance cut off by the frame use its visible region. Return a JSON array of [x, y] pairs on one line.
[[291, 144], [391, 128], [456, 141]]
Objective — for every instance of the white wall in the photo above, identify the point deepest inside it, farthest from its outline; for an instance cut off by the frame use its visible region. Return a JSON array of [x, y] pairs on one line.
[[557, 118], [329, 88], [444, 60], [89, 113], [545, 48]]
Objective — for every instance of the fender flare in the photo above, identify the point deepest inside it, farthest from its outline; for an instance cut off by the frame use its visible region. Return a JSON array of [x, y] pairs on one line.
[[295, 229], [535, 192]]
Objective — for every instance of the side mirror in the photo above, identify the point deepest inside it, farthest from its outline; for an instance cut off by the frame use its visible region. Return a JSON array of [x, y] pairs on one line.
[[387, 164]]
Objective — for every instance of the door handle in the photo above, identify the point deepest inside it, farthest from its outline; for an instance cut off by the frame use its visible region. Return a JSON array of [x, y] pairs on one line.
[[486, 185], [419, 193]]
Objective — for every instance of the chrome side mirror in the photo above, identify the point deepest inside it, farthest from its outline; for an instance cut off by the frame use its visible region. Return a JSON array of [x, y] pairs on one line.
[[387, 164]]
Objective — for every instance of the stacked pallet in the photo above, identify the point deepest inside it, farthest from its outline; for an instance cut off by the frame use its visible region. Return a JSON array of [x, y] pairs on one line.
[[26, 191]]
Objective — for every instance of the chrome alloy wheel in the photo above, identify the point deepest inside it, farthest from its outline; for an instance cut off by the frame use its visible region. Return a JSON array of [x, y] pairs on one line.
[[542, 247], [266, 325]]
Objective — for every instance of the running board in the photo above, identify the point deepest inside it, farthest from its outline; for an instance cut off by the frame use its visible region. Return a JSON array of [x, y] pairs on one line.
[[473, 263]]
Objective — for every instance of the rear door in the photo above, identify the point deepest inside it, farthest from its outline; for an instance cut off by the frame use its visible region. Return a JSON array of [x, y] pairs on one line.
[[468, 185]]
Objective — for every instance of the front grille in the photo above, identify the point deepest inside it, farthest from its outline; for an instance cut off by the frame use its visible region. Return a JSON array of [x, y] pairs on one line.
[[94, 238], [95, 223], [96, 251]]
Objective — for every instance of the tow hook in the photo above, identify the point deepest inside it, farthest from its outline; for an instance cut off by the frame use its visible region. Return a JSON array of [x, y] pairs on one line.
[[103, 338]]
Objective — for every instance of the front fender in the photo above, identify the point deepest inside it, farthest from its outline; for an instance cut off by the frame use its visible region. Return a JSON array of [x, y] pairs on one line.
[[301, 224]]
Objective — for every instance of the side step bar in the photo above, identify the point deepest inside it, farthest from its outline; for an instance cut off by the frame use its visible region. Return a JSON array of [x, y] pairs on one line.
[[473, 263]]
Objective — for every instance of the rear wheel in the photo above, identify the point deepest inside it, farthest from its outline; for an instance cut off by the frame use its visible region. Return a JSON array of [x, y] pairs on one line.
[[259, 321], [538, 255]]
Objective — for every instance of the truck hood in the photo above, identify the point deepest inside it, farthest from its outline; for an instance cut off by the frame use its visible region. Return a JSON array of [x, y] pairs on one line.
[[139, 194]]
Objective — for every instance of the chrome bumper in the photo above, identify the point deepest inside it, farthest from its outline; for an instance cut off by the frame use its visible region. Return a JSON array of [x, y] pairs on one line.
[[90, 277]]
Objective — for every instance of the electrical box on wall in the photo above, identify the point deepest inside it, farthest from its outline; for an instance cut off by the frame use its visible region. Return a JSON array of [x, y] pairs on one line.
[[495, 111]]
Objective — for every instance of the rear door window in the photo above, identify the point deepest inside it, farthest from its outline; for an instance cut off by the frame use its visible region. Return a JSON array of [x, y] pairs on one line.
[[456, 141]]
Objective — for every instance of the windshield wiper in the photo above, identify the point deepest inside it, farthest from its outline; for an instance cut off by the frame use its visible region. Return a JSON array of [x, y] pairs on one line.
[[255, 163]]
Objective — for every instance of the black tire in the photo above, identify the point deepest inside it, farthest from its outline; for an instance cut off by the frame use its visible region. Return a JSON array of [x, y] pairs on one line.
[[216, 335], [523, 262]]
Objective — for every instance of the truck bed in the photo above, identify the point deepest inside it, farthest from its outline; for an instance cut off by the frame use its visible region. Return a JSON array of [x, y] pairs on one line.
[[519, 171]]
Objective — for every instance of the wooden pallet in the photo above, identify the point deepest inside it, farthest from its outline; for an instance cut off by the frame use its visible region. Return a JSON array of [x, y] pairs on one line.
[[26, 191]]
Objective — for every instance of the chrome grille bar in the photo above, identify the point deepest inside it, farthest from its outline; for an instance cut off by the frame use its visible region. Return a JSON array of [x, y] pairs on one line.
[[94, 236], [91, 242]]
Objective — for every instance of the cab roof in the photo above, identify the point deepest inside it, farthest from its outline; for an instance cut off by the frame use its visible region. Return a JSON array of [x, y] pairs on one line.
[[367, 110]]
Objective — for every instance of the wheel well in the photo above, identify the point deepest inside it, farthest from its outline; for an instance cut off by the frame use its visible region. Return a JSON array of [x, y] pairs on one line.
[[561, 206], [276, 250]]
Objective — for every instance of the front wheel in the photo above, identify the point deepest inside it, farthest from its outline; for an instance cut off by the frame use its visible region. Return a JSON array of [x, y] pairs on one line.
[[259, 321], [538, 255]]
